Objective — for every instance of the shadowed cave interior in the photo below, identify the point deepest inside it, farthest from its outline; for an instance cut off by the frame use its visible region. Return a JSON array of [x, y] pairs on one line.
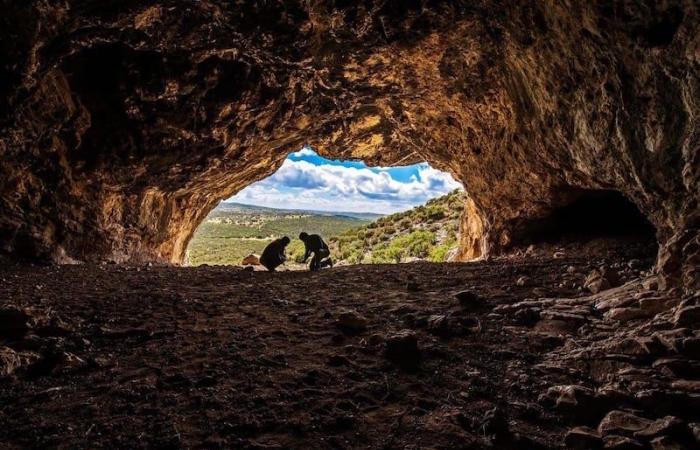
[[589, 215]]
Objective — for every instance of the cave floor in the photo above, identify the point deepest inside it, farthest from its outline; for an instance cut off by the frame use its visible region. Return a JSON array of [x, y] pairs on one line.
[[209, 357]]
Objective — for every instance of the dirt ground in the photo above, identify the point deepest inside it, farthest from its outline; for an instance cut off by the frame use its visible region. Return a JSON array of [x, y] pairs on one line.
[[221, 357]]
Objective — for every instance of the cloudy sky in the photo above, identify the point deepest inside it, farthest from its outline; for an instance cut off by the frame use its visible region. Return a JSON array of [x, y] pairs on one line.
[[308, 181]]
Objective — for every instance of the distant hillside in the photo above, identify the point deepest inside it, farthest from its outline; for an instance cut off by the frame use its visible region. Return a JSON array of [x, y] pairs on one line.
[[227, 207], [427, 232], [232, 231]]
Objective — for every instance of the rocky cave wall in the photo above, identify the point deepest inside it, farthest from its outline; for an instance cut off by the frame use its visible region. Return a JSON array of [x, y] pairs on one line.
[[123, 123]]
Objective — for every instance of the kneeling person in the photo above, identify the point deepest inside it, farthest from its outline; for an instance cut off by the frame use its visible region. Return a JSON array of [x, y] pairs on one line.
[[273, 255], [314, 244]]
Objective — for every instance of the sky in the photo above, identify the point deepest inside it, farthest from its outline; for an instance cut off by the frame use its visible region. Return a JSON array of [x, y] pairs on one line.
[[308, 181]]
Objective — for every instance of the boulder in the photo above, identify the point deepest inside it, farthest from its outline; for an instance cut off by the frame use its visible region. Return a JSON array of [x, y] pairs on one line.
[[616, 442], [570, 399], [651, 283], [690, 347], [687, 385], [601, 279], [688, 316], [526, 316], [668, 425], [667, 443], [583, 438], [251, 260], [439, 325], [351, 322], [11, 361], [495, 422], [625, 314], [13, 321], [412, 286], [469, 300], [623, 423], [402, 349]]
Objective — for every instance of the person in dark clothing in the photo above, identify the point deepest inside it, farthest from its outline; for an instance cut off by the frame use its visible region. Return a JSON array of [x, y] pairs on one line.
[[273, 255], [314, 244]]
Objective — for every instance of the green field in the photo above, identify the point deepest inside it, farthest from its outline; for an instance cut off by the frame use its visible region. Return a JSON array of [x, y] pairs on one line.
[[231, 232], [428, 232]]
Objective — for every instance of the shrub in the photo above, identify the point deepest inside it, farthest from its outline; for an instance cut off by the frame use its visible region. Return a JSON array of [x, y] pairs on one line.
[[295, 251], [435, 212], [415, 244]]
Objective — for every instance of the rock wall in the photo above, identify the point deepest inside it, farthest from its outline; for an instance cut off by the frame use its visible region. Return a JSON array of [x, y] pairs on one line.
[[124, 123]]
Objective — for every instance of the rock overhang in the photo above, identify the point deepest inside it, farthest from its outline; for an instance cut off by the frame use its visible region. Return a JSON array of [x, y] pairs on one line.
[[123, 125]]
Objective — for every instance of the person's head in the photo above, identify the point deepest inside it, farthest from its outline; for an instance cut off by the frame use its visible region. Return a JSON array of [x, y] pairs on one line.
[[285, 240], [303, 235]]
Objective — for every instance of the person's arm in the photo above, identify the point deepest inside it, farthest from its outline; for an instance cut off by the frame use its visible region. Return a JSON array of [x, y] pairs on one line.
[[307, 253]]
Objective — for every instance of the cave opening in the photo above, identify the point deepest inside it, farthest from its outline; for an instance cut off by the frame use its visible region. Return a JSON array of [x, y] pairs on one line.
[[366, 214], [590, 216]]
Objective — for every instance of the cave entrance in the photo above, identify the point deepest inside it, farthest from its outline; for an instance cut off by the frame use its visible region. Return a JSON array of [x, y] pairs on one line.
[[591, 217], [365, 214]]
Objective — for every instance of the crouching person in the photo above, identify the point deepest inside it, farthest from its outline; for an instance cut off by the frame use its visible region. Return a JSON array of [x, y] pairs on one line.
[[315, 245], [273, 255]]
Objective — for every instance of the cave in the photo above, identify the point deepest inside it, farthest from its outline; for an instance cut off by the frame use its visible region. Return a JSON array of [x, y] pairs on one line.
[[588, 215], [123, 124]]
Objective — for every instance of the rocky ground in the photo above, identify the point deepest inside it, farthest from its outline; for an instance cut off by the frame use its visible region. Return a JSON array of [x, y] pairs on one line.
[[509, 353]]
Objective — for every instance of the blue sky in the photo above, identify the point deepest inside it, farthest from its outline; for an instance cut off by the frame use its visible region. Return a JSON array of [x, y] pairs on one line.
[[308, 181]]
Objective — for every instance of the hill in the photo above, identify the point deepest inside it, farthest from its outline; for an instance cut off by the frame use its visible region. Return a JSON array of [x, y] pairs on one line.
[[233, 230], [427, 232]]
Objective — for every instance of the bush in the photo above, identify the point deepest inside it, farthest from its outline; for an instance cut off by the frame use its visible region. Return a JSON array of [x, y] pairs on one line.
[[416, 244], [295, 251], [435, 212], [439, 253]]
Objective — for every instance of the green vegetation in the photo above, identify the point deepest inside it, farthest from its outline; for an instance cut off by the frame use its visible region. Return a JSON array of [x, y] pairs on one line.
[[416, 244], [231, 233], [427, 232]]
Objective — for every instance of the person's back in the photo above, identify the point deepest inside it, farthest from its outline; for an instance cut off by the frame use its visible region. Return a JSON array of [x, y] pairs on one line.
[[315, 245], [273, 255]]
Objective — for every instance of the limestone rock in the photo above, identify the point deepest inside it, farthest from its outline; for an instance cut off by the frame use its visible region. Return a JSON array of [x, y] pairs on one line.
[[351, 322], [402, 349], [583, 438], [616, 442], [666, 443], [666, 425], [252, 260], [625, 314], [687, 385], [601, 279], [11, 360], [690, 347], [688, 316], [469, 300], [622, 423], [13, 321]]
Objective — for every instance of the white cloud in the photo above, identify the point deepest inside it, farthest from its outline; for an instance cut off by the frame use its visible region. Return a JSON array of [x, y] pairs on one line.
[[306, 151], [303, 185]]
